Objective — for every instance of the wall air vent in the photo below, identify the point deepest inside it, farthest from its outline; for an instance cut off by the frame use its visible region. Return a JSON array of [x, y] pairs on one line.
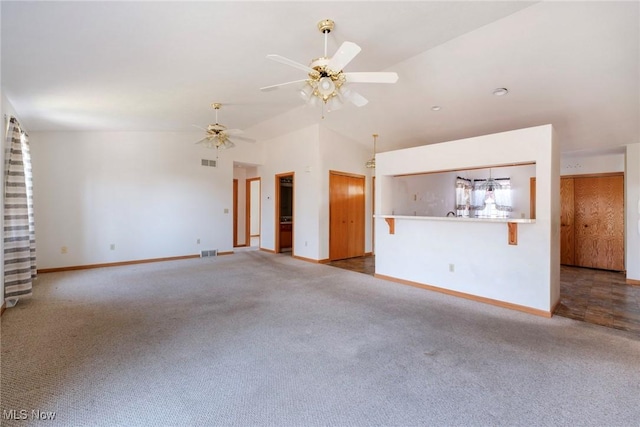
[[209, 253], [211, 163]]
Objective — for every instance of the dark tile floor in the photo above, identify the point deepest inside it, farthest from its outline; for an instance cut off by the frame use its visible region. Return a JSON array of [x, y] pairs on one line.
[[600, 297], [593, 296], [364, 264]]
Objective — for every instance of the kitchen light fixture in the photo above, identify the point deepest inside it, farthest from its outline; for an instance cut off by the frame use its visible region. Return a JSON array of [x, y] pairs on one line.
[[371, 163], [490, 184], [436, 108]]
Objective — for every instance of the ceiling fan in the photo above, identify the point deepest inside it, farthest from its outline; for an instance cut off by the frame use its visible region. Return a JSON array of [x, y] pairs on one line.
[[218, 136], [326, 82]]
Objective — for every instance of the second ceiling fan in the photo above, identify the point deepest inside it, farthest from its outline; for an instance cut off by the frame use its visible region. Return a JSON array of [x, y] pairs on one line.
[[327, 83], [218, 136]]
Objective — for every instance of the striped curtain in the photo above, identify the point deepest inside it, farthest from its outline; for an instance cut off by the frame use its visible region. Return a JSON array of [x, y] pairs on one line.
[[19, 230]]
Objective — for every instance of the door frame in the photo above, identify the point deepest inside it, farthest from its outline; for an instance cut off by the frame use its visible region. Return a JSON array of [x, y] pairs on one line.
[[247, 216], [235, 213], [277, 210]]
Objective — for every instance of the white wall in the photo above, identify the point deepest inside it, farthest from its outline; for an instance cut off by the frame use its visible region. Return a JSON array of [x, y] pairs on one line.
[[578, 163], [632, 218], [424, 195], [297, 152], [144, 192], [310, 153], [484, 264], [342, 154]]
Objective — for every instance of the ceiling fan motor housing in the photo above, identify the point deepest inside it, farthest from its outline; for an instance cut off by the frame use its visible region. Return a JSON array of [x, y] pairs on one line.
[[326, 26]]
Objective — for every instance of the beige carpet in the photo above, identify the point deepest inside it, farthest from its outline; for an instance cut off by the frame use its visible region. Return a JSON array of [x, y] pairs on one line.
[[262, 339]]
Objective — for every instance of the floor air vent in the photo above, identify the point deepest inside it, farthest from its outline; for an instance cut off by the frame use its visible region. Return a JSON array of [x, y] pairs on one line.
[[212, 252]]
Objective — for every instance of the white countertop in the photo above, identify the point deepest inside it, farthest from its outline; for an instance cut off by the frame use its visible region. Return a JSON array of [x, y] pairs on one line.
[[458, 218]]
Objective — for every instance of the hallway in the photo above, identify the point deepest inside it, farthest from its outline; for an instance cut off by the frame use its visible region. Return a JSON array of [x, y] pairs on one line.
[[593, 296]]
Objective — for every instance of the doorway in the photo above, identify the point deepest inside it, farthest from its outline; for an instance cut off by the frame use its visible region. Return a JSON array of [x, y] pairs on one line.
[[591, 220], [346, 215], [235, 213], [284, 212], [253, 209]]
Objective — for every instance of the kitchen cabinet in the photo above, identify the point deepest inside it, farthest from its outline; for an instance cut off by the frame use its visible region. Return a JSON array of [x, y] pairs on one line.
[[286, 235]]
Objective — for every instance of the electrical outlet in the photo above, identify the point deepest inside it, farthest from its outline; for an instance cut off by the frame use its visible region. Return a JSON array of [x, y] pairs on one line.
[[198, 241], [112, 246], [63, 250], [452, 268]]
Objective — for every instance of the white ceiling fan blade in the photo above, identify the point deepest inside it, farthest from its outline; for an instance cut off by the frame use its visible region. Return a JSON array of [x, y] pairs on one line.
[[202, 140], [356, 99], [242, 138], [199, 127], [382, 77], [233, 131], [344, 55], [291, 63], [274, 87]]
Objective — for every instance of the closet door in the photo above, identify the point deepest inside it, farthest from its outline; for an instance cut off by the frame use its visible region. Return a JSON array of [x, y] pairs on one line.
[[567, 231], [346, 216], [356, 217], [599, 222], [338, 216]]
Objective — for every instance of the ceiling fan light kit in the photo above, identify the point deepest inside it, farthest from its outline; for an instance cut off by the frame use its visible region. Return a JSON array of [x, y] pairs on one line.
[[327, 82]]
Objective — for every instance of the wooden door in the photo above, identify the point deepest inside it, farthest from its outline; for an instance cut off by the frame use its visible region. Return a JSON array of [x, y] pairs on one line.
[[235, 213], [599, 222], [338, 216], [346, 216], [356, 216], [567, 230]]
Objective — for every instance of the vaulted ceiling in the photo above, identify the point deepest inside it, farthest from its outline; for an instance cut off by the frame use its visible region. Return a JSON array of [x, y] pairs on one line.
[[157, 66]]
